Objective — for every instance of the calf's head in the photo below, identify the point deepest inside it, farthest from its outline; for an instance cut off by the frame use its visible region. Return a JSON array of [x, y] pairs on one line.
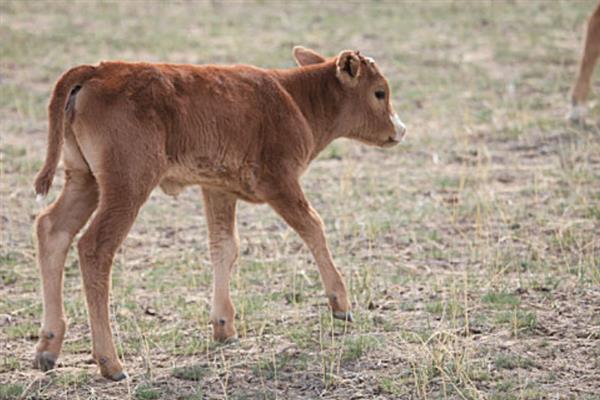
[[363, 93]]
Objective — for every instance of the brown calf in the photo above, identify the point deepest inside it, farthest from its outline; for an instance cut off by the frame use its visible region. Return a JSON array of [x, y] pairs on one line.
[[591, 52], [240, 132]]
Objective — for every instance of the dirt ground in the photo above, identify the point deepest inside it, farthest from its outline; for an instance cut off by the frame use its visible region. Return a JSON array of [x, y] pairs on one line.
[[471, 251]]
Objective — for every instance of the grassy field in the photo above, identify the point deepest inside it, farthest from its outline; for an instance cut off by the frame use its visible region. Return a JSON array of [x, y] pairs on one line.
[[472, 251]]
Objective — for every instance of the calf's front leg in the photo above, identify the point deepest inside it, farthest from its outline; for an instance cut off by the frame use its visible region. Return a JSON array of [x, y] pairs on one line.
[[224, 251], [295, 209]]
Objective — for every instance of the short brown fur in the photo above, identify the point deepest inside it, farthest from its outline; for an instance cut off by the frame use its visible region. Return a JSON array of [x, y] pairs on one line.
[[589, 58], [240, 132]]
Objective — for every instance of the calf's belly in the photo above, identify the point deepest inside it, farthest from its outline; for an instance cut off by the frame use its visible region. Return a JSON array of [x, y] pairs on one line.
[[240, 182]]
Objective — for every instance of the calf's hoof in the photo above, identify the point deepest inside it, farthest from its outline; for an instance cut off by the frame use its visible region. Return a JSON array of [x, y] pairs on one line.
[[340, 307], [48, 348], [118, 376], [343, 315], [44, 361], [230, 340], [111, 370], [577, 114], [224, 331]]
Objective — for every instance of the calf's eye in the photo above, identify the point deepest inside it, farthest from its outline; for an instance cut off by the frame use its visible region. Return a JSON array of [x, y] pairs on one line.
[[380, 94]]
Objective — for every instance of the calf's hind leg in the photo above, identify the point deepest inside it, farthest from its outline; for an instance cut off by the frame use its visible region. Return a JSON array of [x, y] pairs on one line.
[[123, 189], [55, 227]]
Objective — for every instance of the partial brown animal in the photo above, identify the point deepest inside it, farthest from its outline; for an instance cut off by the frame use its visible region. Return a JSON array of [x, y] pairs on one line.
[[591, 52], [240, 132]]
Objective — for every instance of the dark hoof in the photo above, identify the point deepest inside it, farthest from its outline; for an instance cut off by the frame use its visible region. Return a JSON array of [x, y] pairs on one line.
[[227, 340], [119, 376], [343, 315], [231, 340], [44, 361]]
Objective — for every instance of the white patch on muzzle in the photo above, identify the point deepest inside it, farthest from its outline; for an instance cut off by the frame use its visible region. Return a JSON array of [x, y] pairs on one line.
[[399, 127]]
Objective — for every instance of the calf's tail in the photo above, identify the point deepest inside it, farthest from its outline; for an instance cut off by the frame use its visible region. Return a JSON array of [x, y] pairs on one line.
[[69, 83]]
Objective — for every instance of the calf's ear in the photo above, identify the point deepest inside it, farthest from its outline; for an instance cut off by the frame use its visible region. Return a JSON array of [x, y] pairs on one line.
[[348, 67], [304, 56]]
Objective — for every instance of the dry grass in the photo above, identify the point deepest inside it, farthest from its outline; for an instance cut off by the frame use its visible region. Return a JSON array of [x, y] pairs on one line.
[[472, 252]]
